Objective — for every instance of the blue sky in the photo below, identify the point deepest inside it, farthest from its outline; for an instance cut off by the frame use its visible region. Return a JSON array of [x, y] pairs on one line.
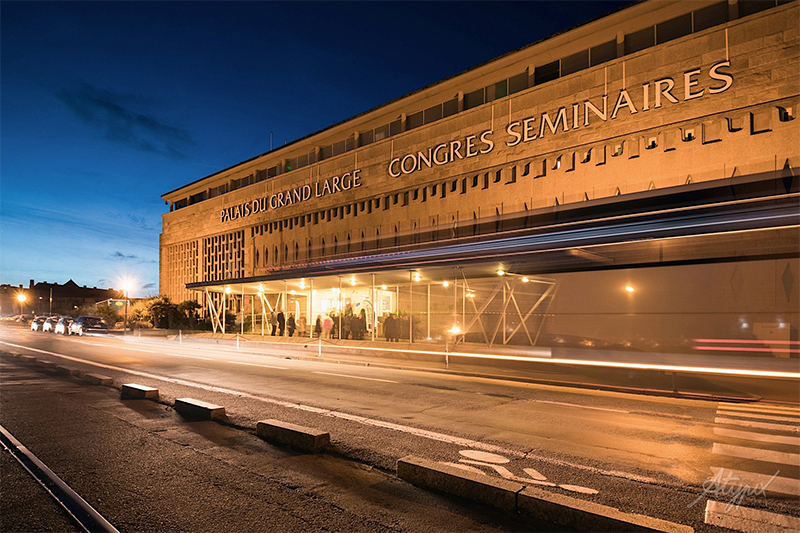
[[104, 106]]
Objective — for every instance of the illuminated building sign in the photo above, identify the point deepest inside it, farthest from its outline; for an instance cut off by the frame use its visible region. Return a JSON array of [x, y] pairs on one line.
[[649, 96], [566, 118], [332, 185]]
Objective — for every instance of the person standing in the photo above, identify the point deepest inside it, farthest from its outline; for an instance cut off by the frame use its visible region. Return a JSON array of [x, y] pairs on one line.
[[301, 326], [318, 327], [291, 324], [388, 328], [281, 322], [273, 322], [327, 324]]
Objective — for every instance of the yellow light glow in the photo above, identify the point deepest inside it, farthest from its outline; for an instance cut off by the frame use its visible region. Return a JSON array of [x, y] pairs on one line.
[[292, 292], [501, 272], [445, 283], [227, 290], [416, 277], [629, 288], [525, 279], [302, 284], [455, 330], [21, 297], [383, 287], [352, 281]]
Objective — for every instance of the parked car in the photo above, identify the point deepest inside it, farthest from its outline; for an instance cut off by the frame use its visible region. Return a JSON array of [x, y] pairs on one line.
[[36, 323], [84, 325], [50, 324], [63, 325]]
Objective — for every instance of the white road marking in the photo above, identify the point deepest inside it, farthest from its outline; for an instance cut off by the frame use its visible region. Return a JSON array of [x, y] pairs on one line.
[[535, 474], [759, 437], [506, 473], [356, 377], [759, 416], [757, 454], [582, 406], [256, 364], [464, 467], [749, 520], [776, 409], [190, 356], [578, 488], [759, 425], [126, 348], [754, 480], [485, 456]]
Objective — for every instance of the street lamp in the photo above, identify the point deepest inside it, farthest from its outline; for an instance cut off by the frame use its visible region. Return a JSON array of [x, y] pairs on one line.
[[21, 299], [126, 288]]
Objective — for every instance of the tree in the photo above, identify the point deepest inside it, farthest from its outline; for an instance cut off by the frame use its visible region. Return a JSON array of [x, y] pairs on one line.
[[187, 310], [163, 313]]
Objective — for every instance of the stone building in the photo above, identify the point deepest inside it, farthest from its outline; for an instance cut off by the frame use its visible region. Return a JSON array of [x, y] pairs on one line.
[[631, 182]]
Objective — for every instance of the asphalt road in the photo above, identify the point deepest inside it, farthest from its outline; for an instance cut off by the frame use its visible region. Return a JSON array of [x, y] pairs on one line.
[[651, 455]]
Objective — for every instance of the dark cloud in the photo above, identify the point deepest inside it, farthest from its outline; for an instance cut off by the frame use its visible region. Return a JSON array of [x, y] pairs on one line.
[[149, 286], [113, 113], [119, 255]]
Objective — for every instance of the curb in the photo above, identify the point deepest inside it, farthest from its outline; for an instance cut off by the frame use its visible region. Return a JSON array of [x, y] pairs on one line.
[[197, 409], [138, 392], [98, 379], [545, 506], [292, 435]]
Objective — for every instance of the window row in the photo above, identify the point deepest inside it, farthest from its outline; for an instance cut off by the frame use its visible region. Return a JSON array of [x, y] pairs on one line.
[[663, 32]]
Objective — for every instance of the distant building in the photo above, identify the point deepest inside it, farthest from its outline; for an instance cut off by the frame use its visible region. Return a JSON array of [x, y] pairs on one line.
[[629, 183], [44, 298]]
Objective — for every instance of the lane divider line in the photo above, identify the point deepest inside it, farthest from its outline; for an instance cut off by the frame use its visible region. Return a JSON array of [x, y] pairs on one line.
[[256, 364], [355, 377]]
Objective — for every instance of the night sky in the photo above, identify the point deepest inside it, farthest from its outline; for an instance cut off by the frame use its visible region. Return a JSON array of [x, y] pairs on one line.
[[105, 106]]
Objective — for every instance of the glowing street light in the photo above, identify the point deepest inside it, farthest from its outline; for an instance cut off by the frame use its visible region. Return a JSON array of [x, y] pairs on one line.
[[629, 288], [21, 298], [127, 285]]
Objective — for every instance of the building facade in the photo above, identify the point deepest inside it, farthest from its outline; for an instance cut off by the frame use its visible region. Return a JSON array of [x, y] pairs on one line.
[[658, 143]]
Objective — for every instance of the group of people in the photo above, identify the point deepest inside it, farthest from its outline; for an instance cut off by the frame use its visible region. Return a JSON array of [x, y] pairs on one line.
[[333, 326], [347, 326], [279, 324]]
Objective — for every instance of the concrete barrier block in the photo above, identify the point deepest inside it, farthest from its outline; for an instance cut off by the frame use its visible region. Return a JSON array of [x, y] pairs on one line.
[[491, 491], [67, 370], [45, 365], [30, 359], [191, 408], [139, 392], [582, 515], [292, 435], [98, 379]]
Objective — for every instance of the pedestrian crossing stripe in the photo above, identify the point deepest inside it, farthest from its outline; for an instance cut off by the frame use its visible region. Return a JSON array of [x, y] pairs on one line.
[[758, 425], [760, 408], [758, 437], [747, 519], [760, 416], [769, 483], [756, 454]]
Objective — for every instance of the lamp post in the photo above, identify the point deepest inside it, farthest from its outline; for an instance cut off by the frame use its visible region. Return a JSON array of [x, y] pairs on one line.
[[126, 288], [21, 299]]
